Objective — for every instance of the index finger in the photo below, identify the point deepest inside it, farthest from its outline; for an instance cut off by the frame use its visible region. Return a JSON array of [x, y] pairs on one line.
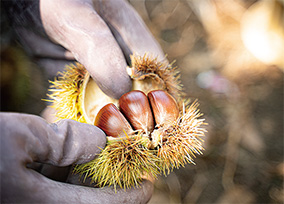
[[76, 25], [128, 27]]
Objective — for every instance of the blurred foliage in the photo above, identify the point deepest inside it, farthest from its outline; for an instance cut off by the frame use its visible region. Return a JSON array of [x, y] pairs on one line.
[[242, 99], [23, 84]]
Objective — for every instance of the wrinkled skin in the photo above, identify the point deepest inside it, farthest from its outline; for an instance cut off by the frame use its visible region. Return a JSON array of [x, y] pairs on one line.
[[26, 139], [100, 34], [96, 33]]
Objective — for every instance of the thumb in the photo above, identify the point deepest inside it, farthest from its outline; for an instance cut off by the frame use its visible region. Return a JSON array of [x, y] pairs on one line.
[[32, 139], [26, 138]]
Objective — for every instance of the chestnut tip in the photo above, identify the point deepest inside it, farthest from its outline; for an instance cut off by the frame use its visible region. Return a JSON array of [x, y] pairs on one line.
[[136, 108], [164, 106], [112, 121]]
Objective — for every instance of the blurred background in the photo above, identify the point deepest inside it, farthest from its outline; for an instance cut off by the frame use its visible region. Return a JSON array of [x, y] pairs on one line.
[[231, 58]]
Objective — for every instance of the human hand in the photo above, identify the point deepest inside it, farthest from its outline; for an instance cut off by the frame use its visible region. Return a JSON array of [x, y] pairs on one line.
[[26, 139], [97, 33]]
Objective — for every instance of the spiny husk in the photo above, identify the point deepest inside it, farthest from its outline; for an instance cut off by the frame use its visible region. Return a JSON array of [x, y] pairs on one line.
[[126, 160], [75, 95], [181, 140], [66, 93], [122, 163], [162, 74]]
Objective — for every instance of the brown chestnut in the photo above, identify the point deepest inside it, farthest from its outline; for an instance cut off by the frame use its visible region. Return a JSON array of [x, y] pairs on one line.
[[136, 108], [112, 122], [164, 107]]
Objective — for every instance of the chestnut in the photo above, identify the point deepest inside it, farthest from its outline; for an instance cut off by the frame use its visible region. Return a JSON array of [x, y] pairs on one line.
[[164, 107], [139, 112], [135, 107], [112, 122]]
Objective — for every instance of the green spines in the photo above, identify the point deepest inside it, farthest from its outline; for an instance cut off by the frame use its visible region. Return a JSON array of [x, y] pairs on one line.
[[122, 163], [126, 161], [66, 93]]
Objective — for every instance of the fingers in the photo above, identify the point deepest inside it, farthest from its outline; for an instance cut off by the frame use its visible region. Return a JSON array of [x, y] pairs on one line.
[[27, 138], [75, 25], [141, 194], [25, 19], [128, 25], [39, 46], [31, 138], [39, 189], [53, 66]]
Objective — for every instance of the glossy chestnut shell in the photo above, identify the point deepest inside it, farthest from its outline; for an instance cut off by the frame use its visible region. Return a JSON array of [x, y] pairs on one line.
[[137, 111], [164, 107], [135, 107], [112, 122]]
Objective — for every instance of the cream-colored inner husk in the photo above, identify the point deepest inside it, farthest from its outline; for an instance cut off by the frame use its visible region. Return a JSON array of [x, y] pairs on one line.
[[94, 98]]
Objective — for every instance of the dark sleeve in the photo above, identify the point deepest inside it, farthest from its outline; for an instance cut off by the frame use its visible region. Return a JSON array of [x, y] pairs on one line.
[[23, 14]]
